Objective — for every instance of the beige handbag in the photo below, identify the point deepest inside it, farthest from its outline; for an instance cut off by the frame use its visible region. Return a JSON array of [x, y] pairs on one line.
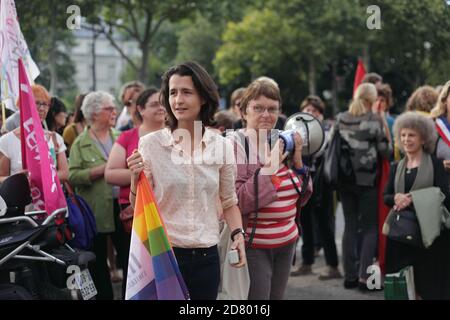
[[234, 282]]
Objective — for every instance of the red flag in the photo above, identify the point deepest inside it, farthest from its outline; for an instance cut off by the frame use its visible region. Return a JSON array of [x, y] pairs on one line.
[[383, 210], [45, 187], [360, 73]]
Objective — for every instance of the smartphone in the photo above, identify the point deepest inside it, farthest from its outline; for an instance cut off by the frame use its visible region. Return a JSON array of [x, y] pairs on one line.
[[233, 257]]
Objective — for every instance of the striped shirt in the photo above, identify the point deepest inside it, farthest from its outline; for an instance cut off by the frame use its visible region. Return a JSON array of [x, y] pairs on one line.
[[275, 225]]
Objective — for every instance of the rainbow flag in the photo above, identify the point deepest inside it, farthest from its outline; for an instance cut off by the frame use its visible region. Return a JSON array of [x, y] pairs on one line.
[[153, 272]]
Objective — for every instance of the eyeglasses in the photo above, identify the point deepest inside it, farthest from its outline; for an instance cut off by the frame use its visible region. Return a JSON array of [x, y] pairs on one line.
[[42, 104], [108, 109], [155, 104], [261, 110]]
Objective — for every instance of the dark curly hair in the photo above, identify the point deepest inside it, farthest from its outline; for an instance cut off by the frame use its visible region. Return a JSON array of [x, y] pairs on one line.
[[204, 85]]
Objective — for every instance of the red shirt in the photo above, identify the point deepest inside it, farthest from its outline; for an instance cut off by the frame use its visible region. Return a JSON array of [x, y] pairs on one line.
[[275, 225], [129, 141]]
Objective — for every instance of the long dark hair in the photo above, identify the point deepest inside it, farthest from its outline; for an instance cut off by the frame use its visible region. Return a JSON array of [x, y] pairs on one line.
[[78, 115], [56, 106], [204, 85], [142, 100]]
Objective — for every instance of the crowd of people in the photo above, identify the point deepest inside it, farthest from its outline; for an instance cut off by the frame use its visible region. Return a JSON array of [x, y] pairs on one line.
[[267, 204]]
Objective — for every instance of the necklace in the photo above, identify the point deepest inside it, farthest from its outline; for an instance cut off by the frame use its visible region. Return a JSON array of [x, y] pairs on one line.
[[409, 170], [101, 144]]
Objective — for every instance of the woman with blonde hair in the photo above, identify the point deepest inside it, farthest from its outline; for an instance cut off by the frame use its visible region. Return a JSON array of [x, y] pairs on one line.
[[441, 115], [364, 136]]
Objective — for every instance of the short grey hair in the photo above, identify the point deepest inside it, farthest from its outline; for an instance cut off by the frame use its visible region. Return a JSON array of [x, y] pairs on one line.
[[92, 103], [424, 126]]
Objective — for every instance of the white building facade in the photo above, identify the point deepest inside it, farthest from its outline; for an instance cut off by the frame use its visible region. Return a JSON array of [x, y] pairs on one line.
[[109, 64]]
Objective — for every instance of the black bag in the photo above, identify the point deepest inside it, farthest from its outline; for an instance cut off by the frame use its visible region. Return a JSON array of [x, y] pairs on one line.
[[404, 227], [345, 162], [337, 166], [331, 160], [14, 292]]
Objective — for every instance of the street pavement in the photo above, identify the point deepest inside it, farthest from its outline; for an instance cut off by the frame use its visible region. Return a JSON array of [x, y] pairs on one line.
[[310, 287]]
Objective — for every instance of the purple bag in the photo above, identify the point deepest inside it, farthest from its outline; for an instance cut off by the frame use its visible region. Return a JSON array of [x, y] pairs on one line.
[[81, 221]]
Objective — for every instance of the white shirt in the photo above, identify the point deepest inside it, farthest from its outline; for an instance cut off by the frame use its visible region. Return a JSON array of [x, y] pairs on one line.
[[123, 118], [191, 195], [11, 148]]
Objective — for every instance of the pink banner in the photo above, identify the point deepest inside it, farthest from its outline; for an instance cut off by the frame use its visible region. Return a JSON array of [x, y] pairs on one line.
[[46, 189]]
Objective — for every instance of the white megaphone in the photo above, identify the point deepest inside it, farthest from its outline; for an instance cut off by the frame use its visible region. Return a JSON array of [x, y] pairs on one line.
[[310, 129]]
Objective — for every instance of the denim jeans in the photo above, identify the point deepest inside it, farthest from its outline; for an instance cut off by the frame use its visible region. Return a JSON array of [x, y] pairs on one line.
[[200, 268]]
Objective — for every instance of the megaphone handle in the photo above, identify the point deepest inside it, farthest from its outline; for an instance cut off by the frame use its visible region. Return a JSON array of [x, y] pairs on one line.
[[307, 138]]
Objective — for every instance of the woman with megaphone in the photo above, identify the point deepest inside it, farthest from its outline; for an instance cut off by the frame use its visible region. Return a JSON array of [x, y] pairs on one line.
[[268, 191]]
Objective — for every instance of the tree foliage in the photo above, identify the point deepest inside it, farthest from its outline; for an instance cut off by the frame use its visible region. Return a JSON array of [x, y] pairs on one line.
[[320, 41], [50, 42], [306, 46]]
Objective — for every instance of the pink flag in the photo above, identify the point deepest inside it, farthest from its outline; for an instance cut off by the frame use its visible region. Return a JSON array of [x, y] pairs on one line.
[[46, 189]]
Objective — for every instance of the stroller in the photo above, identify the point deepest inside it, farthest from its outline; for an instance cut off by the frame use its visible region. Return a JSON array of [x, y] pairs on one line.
[[35, 260]]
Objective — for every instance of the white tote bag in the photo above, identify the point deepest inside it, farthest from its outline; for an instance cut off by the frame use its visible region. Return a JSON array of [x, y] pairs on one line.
[[234, 282]]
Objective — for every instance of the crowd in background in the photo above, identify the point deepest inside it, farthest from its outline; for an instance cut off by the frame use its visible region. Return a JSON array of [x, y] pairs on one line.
[[95, 149]]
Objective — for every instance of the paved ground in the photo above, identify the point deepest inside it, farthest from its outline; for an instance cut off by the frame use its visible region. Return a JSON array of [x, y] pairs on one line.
[[309, 287]]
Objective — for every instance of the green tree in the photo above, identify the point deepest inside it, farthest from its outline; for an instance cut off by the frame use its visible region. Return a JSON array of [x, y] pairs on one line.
[[140, 21], [413, 45], [50, 42], [309, 46], [163, 54], [198, 41], [250, 48]]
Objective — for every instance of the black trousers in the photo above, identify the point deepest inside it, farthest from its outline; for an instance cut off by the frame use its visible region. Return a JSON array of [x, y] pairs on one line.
[[99, 269], [319, 211], [360, 239], [200, 268]]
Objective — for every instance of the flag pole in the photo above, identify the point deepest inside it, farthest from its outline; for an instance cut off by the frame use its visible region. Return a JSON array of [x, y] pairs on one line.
[[3, 116]]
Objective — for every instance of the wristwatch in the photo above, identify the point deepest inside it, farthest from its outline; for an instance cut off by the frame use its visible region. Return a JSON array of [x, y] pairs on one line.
[[237, 231]]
